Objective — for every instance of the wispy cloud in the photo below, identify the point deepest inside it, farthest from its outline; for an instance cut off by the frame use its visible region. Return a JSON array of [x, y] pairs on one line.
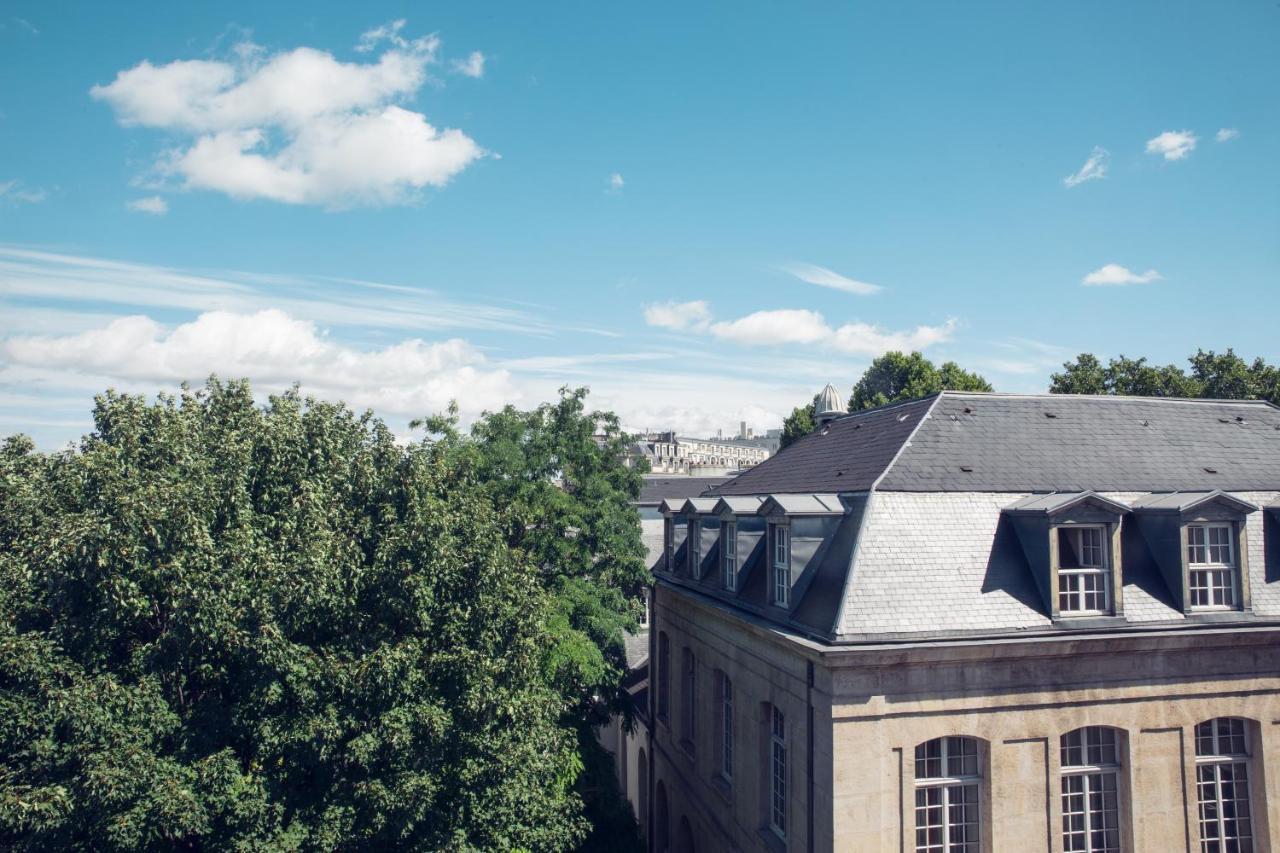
[[299, 126], [1095, 168], [15, 193], [1116, 275], [472, 66], [1173, 144], [24, 24], [153, 204], [1226, 134], [133, 287], [823, 277], [616, 183]]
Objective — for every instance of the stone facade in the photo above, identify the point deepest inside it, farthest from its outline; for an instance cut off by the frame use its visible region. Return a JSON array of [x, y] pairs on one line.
[[895, 609]]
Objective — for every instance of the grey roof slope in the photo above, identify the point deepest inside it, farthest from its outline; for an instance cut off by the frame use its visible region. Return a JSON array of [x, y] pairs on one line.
[[847, 456], [963, 442], [656, 488]]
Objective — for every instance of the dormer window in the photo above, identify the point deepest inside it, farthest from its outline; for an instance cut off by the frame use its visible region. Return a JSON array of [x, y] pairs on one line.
[[1198, 540], [1083, 582], [781, 565], [1211, 568], [729, 548]]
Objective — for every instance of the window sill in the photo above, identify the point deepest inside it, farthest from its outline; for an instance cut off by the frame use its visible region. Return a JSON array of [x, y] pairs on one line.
[[772, 841]]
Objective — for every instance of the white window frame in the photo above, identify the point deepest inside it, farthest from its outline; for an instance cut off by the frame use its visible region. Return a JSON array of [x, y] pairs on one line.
[[726, 728], [729, 548], [1093, 777], [950, 787], [1081, 576], [1211, 768], [780, 563], [777, 772], [1210, 571]]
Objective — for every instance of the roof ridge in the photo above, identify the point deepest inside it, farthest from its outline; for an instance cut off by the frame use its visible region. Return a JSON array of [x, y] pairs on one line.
[[884, 407], [875, 484], [1109, 397]]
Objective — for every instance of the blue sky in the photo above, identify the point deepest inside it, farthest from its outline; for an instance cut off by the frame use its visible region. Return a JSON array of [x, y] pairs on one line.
[[680, 205]]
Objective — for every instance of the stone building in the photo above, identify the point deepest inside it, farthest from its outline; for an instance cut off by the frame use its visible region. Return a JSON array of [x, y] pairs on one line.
[[667, 452], [975, 622]]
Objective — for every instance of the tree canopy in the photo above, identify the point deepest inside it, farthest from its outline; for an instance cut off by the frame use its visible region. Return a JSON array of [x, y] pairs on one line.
[[225, 625], [1212, 375], [891, 377], [895, 376]]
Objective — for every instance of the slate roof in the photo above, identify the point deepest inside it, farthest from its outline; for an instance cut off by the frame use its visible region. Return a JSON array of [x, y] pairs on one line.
[[926, 548], [655, 489], [963, 442], [845, 456]]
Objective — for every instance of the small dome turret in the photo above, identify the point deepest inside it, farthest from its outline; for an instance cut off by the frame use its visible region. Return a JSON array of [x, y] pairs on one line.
[[828, 405]]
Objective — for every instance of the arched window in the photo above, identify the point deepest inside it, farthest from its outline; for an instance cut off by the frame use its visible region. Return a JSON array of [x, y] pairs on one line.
[[1222, 786], [661, 820], [643, 791], [1091, 790], [948, 811]]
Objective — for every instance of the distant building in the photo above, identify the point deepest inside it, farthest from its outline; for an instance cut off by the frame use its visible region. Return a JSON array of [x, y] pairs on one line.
[[974, 623], [669, 453]]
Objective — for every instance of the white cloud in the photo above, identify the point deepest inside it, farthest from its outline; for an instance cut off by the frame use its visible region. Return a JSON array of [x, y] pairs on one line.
[[1226, 134], [1115, 275], [1173, 144], [152, 204], [823, 277], [300, 126], [678, 315], [472, 66], [1093, 169], [794, 326], [616, 183], [15, 193], [272, 349]]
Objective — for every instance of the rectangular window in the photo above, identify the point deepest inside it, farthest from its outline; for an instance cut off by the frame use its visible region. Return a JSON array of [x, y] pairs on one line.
[[726, 728], [664, 676], [777, 772], [781, 565], [1222, 786], [690, 696], [1084, 584], [1090, 791], [694, 549], [668, 544], [729, 536], [1211, 568]]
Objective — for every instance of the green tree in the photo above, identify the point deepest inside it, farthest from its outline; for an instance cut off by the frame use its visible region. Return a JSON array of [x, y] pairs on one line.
[[1213, 375], [558, 471], [227, 626], [895, 376], [799, 423]]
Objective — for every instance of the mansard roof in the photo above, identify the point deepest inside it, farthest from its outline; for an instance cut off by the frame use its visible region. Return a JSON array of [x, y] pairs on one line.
[[973, 442]]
